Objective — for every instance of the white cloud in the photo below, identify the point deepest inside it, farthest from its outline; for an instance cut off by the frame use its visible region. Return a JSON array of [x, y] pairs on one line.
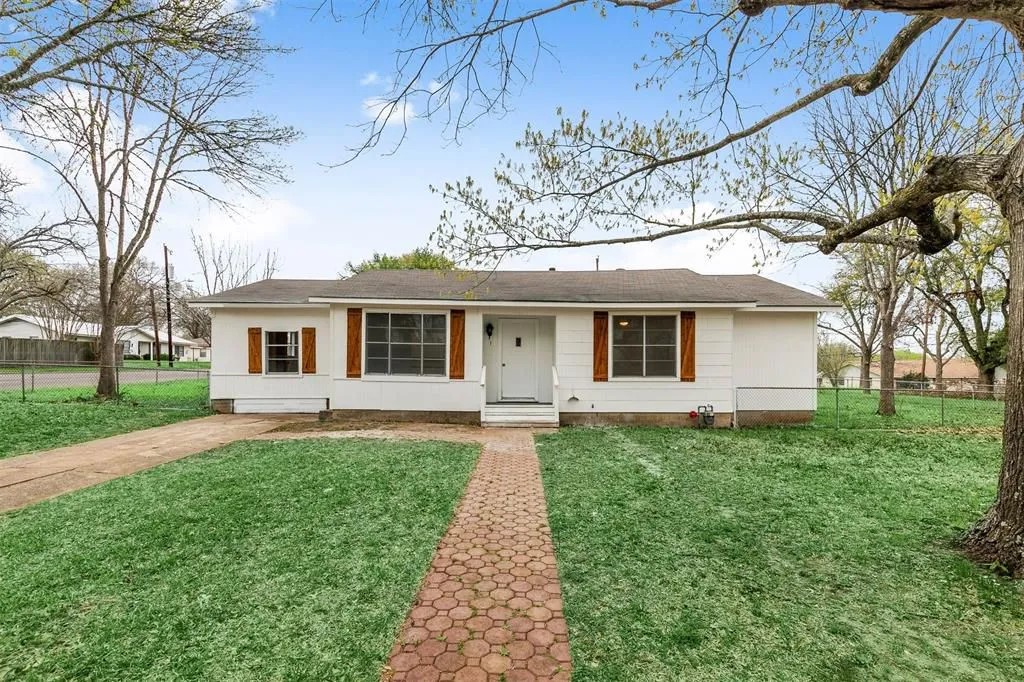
[[388, 112], [29, 173], [255, 221], [371, 78]]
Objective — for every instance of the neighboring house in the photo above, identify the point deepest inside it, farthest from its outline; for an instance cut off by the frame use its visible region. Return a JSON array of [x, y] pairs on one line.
[[850, 378], [958, 373], [136, 340], [199, 351], [140, 341], [646, 346], [21, 326]]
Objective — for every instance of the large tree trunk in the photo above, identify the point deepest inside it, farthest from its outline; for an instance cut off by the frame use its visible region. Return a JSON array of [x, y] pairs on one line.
[[938, 375], [107, 385], [999, 536], [887, 361], [986, 381], [865, 370]]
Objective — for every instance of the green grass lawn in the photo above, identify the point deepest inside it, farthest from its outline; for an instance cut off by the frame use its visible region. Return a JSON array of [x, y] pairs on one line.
[[63, 416], [181, 393], [26, 427], [857, 411], [777, 554], [260, 560]]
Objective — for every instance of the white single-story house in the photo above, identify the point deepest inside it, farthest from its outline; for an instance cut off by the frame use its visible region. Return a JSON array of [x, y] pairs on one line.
[[140, 341], [544, 347], [199, 351], [136, 339], [22, 326], [849, 377]]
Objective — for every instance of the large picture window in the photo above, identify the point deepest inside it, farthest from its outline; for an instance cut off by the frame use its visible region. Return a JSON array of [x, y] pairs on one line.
[[406, 344], [644, 345], [282, 350]]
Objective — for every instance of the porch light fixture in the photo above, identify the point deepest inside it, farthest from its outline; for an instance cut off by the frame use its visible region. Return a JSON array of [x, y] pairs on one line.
[[489, 329], [623, 322]]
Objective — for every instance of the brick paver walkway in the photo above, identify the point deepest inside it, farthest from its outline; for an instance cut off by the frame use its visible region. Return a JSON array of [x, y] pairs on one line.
[[490, 607]]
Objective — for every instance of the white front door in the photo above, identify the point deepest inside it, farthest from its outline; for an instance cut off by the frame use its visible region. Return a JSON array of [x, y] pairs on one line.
[[518, 359]]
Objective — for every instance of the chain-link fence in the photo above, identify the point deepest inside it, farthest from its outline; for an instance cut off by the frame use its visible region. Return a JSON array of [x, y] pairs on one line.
[[921, 407], [156, 387]]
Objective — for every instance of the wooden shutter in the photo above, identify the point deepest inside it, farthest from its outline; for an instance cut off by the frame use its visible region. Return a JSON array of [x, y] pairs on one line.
[[457, 346], [687, 346], [309, 350], [255, 350], [354, 359], [600, 346]]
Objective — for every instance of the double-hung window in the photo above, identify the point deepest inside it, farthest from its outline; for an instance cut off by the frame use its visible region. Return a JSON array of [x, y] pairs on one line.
[[282, 349], [412, 344], [644, 345]]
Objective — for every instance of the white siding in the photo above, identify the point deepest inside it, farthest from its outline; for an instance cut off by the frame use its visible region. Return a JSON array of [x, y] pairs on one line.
[[740, 349], [575, 359], [19, 329], [777, 351], [407, 393], [229, 375]]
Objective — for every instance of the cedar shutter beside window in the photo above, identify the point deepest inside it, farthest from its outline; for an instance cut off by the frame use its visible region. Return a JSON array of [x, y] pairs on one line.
[[687, 346], [457, 348], [600, 346], [255, 350], [309, 350], [354, 354]]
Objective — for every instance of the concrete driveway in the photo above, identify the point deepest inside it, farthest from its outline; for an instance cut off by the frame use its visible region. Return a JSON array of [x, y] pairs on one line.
[[37, 476]]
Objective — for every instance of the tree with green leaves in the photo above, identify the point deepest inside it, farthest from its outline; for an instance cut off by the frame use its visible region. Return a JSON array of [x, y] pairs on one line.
[[833, 358], [856, 321], [589, 182], [417, 259], [970, 283]]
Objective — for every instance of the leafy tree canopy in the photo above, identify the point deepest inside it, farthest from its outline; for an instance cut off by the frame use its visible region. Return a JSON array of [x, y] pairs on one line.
[[417, 259]]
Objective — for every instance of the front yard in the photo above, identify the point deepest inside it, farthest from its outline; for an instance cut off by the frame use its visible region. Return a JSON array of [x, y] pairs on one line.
[[776, 554], [261, 560], [54, 417]]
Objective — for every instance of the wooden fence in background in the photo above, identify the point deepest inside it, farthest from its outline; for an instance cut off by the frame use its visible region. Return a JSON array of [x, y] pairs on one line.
[[45, 352]]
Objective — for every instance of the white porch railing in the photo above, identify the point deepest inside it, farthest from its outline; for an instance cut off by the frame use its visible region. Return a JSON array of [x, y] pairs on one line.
[[554, 390], [483, 393]]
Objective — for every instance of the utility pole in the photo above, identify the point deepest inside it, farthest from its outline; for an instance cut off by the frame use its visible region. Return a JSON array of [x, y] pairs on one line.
[[154, 354], [167, 282]]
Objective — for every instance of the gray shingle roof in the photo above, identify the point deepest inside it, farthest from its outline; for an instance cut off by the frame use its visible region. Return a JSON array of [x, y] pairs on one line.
[[543, 286]]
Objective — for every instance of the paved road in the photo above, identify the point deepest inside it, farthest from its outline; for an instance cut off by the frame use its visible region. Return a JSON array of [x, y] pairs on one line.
[[12, 380]]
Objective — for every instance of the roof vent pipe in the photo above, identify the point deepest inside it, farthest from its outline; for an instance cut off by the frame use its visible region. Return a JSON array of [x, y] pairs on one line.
[[551, 269]]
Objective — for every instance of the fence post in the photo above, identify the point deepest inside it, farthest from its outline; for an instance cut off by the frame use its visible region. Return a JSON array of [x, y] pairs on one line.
[[117, 380], [23, 398], [942, 407], [837, 408]]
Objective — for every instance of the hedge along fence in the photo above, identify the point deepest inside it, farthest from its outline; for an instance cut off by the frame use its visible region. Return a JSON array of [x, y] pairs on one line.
[[46, 352]]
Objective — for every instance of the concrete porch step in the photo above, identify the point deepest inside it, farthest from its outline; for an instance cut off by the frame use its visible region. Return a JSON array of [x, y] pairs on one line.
[[520, 414]]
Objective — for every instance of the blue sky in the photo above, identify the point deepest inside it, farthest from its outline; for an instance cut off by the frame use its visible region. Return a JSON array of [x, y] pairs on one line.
[[328, 216]]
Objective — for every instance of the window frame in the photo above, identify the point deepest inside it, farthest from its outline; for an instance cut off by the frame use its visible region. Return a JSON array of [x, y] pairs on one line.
[[266, 352], [366, 375], [644, 314]]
